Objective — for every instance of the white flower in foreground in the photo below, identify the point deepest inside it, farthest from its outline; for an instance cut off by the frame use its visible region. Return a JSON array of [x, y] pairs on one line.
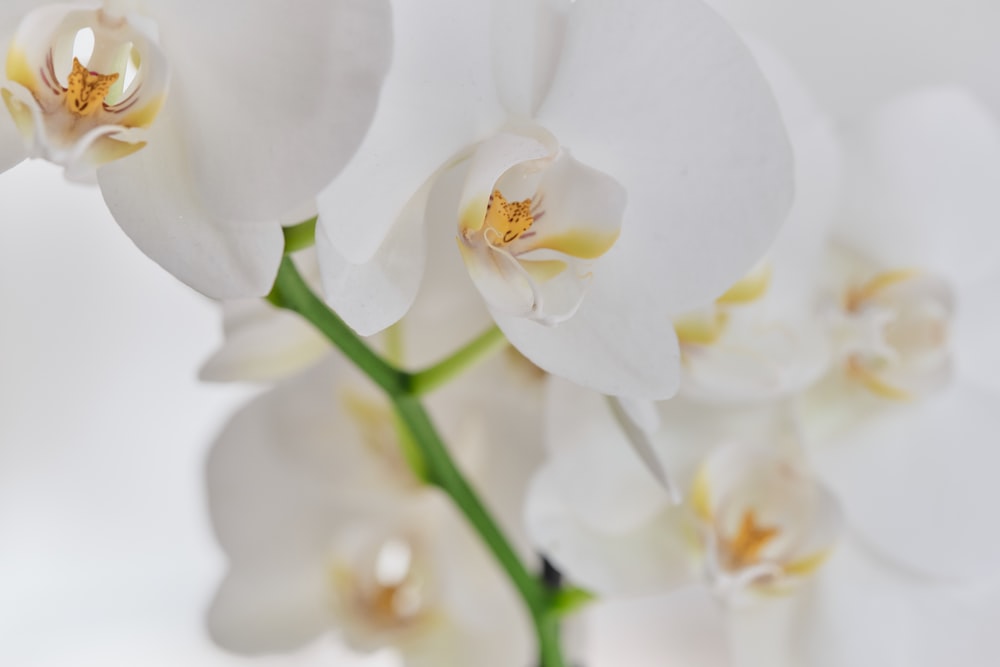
[[205, 121], [904, 429], [605, 166], [326, 527]]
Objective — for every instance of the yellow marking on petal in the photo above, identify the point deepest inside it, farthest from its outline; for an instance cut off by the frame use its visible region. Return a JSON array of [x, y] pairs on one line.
[[701, 496], [19, 70], [806, 565], [106, 149], [745, 548], [144, 116], [580, 243], [19, 111], [508, 219], [544, 269], [856, 297], [700, 328], [749, 289], [86, 90], [858, 371]]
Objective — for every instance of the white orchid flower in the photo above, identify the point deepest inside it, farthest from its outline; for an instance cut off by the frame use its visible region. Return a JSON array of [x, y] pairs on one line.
[[764, 338], [755, 520], [327, 527], [903, 429], [604, 166], [205, 121]]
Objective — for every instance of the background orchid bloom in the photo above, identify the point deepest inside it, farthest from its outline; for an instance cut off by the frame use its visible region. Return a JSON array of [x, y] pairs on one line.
[[901, 426], [600, 189], [675, 588], [327, 527], [754, 520], [206, 122]]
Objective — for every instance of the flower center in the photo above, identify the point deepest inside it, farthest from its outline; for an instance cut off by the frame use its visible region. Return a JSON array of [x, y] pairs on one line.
[[507, 220], [384, 591], [744, 549], [897, 333], [82, 85], [87, 90]]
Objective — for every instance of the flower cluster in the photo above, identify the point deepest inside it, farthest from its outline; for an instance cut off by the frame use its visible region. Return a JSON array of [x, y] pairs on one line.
[[557, 304]]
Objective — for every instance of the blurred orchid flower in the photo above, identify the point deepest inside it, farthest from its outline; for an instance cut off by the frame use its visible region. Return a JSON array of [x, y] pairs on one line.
[[600, 190], [755, 520], [202, 132], [898, 427], [328, 527]]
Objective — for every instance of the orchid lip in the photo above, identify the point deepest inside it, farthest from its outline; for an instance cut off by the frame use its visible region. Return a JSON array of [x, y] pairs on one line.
[[82, 85]]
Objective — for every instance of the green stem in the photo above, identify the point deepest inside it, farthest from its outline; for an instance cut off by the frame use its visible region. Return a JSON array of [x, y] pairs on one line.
[[291, 292], [440, 373], [300, 236]]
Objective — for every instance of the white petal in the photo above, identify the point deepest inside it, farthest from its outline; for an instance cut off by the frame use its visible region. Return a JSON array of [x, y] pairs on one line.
[[12, 149], [154, 198], [921, 185], [975, 333], [262, 343], [527, 37], [917, 481], [685, 628], [616, 343], [438, 98], [300, 89], [655, 556], [674, 109], [375, 294], [276, 607]]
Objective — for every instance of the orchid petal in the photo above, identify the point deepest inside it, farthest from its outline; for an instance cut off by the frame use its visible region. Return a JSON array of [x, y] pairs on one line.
[[917, 481], [279, 606], [527, 36], [921, 188], [375, 294], [286, 124], [685, 627], [677, 112], [153, 197], [976, 331], [655, 556], [424, 108], [262, 343], [614, 343]]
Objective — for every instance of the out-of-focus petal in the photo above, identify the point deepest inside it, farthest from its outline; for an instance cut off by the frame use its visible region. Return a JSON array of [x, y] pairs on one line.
[[676, 111], [276, 607], [920, 185], [655, 556], [262, 343], [272, 102], [686, 627], [975, 333], [439, 98], [527, 39], [154, 197], [917, 481]]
